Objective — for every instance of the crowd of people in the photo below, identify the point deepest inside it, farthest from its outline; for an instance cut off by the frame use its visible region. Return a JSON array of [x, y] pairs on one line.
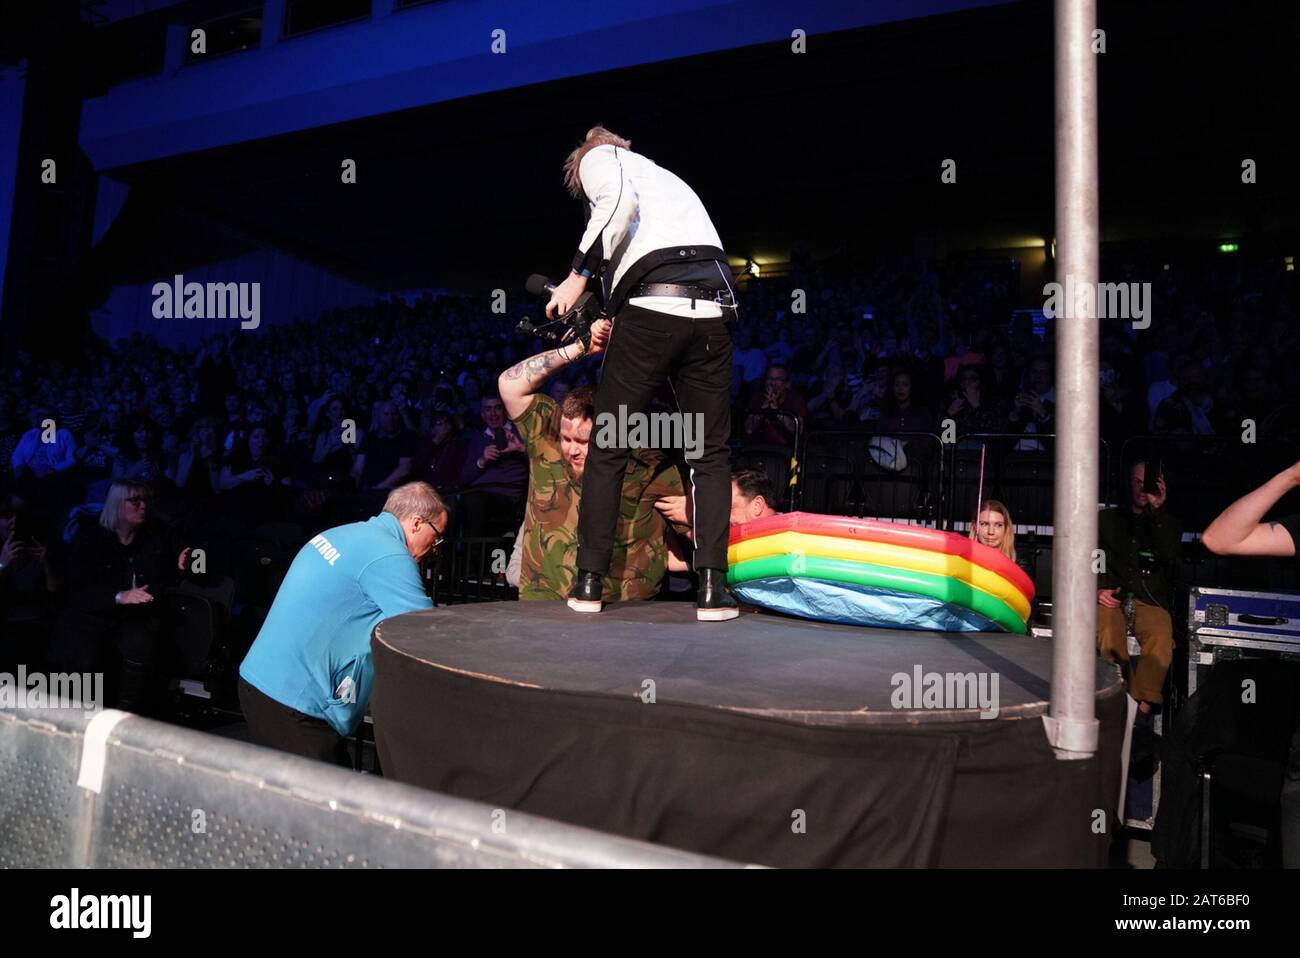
[[273, 435], [908, 350]]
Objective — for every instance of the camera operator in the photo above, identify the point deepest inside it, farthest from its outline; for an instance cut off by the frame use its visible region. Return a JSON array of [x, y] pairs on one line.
[[667, 286], [1140, 548]]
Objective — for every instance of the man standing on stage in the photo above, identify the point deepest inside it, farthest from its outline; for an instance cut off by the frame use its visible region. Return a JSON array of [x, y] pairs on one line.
[[558, 439], [665, 282]]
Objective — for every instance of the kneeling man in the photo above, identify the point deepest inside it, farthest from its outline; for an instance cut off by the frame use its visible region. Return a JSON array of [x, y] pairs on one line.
[[305, 683]]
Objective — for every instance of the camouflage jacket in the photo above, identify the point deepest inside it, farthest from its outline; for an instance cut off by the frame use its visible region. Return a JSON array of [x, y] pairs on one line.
[[550, 530]]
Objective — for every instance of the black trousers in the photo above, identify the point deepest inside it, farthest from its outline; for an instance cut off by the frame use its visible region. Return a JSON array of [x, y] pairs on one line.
[[127, 652], [138, 681], [277, 726], [694, 356]]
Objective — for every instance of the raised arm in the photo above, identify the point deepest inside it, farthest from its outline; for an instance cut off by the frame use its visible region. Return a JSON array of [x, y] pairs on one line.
[[1238, 531], [521, 381]]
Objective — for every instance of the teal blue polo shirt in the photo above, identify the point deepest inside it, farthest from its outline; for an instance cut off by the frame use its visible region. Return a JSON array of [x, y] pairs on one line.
[[313, 651]]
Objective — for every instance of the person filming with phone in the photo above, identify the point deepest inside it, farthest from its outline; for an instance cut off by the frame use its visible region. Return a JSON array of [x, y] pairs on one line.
[[776, 409], [1139, 543], [667, 289], [494, 477], [1034, 407]]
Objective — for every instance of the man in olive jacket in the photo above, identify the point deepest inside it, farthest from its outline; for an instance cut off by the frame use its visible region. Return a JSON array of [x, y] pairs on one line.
[[1140, 547]]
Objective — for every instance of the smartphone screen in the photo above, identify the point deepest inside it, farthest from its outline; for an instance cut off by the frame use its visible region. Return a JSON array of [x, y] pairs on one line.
[[1151, 477]]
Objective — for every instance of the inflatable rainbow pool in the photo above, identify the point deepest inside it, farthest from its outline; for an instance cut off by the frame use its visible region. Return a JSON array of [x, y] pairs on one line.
[[884, 574]]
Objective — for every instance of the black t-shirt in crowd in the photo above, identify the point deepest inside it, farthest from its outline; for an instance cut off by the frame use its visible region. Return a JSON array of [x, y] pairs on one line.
[[382, 454]]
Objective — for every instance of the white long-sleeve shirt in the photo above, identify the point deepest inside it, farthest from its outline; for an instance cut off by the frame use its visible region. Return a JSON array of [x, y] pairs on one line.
[[639, 208]]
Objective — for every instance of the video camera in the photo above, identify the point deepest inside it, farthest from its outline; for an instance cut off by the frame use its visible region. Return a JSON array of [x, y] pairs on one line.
[[576, 322]]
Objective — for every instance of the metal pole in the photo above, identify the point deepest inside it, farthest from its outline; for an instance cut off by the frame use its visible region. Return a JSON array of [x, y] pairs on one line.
[[1072, 722]]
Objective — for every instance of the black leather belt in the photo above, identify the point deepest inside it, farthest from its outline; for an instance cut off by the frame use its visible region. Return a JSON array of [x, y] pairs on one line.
[[720, 296]]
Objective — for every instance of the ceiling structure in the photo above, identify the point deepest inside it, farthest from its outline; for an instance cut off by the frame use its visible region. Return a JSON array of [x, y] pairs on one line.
[[841, 150]]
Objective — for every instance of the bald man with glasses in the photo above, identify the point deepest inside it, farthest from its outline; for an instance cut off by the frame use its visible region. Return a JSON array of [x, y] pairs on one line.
[[305, 684]]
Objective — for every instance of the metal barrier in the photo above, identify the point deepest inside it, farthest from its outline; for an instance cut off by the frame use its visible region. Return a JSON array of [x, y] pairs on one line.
[[1019, 470], [849, 472], [470, 569], [142, 794], [781, 462], [842, 476], [835, 471]]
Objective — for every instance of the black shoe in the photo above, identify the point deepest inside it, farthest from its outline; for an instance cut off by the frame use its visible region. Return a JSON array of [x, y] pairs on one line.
[[585, 594], [715, 603]]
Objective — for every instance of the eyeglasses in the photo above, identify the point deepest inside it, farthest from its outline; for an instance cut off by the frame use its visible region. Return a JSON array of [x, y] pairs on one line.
[[441, 538]]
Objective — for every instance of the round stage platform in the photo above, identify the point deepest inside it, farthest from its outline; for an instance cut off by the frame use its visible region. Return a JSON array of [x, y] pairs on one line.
[[764, 739]]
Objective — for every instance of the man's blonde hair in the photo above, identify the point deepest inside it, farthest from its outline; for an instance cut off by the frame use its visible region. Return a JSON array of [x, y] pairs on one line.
[[596, 136]]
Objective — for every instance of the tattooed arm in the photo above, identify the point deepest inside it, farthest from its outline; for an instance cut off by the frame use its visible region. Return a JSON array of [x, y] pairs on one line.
[[521, 381], [1238, 530]]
